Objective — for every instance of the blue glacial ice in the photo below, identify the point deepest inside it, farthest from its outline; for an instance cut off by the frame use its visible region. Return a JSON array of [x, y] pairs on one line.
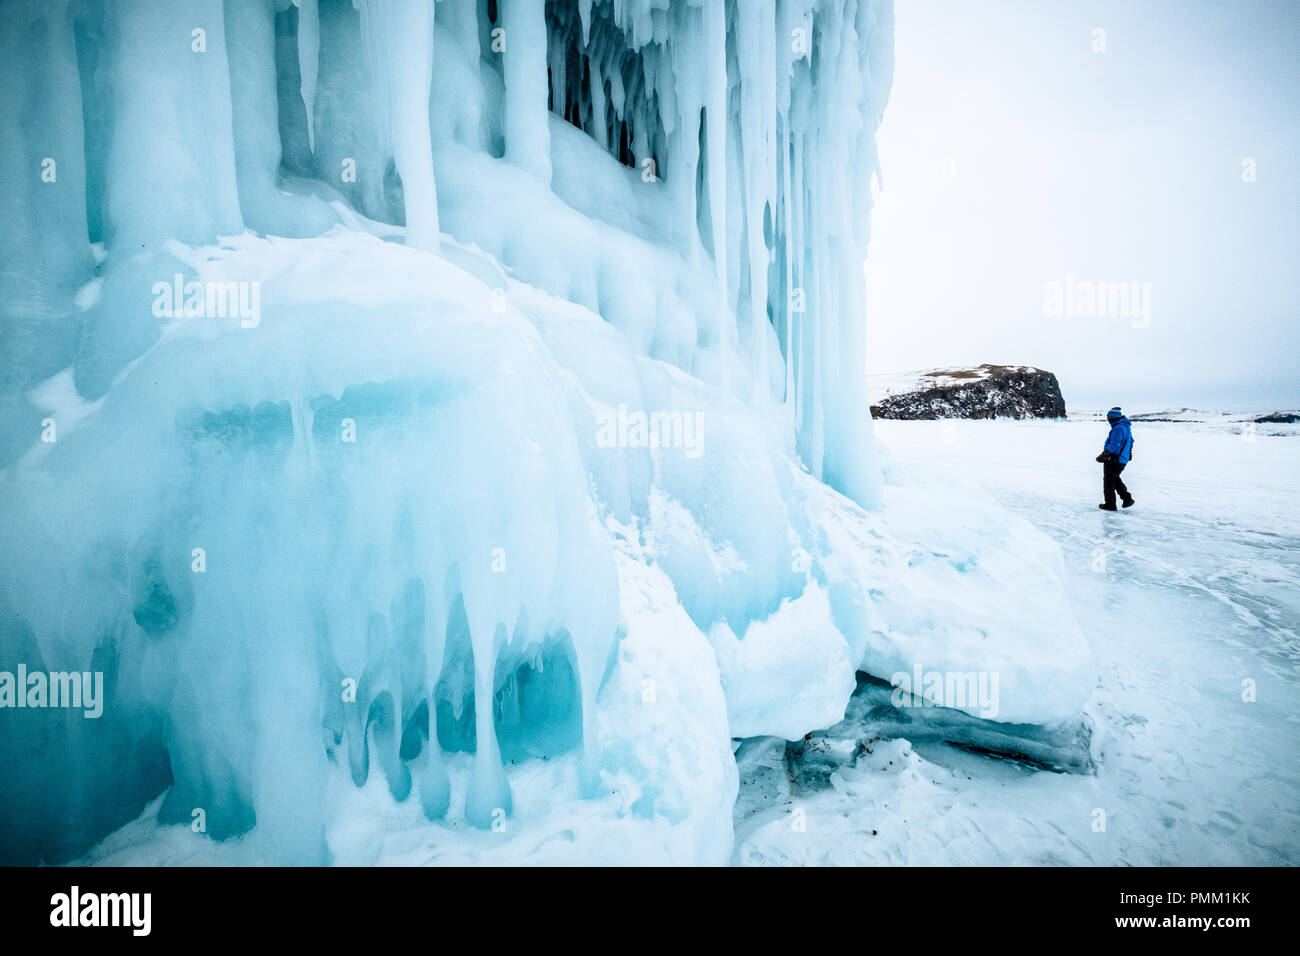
[[343, 524]]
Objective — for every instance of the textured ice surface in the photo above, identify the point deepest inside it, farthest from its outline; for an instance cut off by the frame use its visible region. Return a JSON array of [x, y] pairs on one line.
[[1190, 600], [366, 575]]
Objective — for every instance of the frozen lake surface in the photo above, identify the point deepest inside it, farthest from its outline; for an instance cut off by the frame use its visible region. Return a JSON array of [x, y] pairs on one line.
[[1191, 601]]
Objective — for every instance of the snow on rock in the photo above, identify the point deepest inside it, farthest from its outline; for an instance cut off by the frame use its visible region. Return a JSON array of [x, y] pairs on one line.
[[1279, 418], [987, 391]]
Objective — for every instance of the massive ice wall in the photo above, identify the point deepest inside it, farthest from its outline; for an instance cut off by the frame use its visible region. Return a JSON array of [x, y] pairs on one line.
[[324, 323], [747, 128]]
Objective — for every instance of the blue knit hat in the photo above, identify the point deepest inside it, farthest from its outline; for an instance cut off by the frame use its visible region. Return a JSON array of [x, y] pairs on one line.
[[1114, 413]]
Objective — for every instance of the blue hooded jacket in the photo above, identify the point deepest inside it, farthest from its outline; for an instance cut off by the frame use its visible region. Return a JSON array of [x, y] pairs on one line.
[[1120, 440]]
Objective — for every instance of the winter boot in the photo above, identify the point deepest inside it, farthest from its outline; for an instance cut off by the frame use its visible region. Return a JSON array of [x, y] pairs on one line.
[[1128, 502], [1106, 507]]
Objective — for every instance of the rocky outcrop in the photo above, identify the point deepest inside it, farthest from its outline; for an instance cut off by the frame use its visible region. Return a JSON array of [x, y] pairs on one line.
[[1199, 416], [988, 391]]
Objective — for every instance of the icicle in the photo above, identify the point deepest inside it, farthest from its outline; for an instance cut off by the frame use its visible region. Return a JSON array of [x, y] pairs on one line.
[[489, 790], [755, 55], [168, 94], [683, 88], [617, 94], [787, 204], [640, 113], [435, 785], [557, 57], [309, 60], [399, 44], [461, 20], [800, 279], [527, 129], [715, 106], [599, 115], [44, 251]]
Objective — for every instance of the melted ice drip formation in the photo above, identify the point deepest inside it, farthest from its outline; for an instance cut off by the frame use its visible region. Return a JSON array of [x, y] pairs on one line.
[[375, 525]]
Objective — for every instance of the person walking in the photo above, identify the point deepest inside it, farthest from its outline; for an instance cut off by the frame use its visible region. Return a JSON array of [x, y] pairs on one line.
[[1117, 453]]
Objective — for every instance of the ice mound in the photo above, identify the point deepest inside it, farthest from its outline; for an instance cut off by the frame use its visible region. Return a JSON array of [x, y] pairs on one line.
[[439, 459], [314, 487]]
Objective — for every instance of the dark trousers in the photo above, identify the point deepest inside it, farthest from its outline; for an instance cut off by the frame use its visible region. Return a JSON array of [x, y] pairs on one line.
[[1111, 482]]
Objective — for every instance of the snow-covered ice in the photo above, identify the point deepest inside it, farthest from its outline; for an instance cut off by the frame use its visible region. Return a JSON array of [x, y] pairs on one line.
[[1191, 601]]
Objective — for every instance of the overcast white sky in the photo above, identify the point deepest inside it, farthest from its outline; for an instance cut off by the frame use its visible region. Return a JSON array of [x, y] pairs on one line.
[[1013, 156]]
